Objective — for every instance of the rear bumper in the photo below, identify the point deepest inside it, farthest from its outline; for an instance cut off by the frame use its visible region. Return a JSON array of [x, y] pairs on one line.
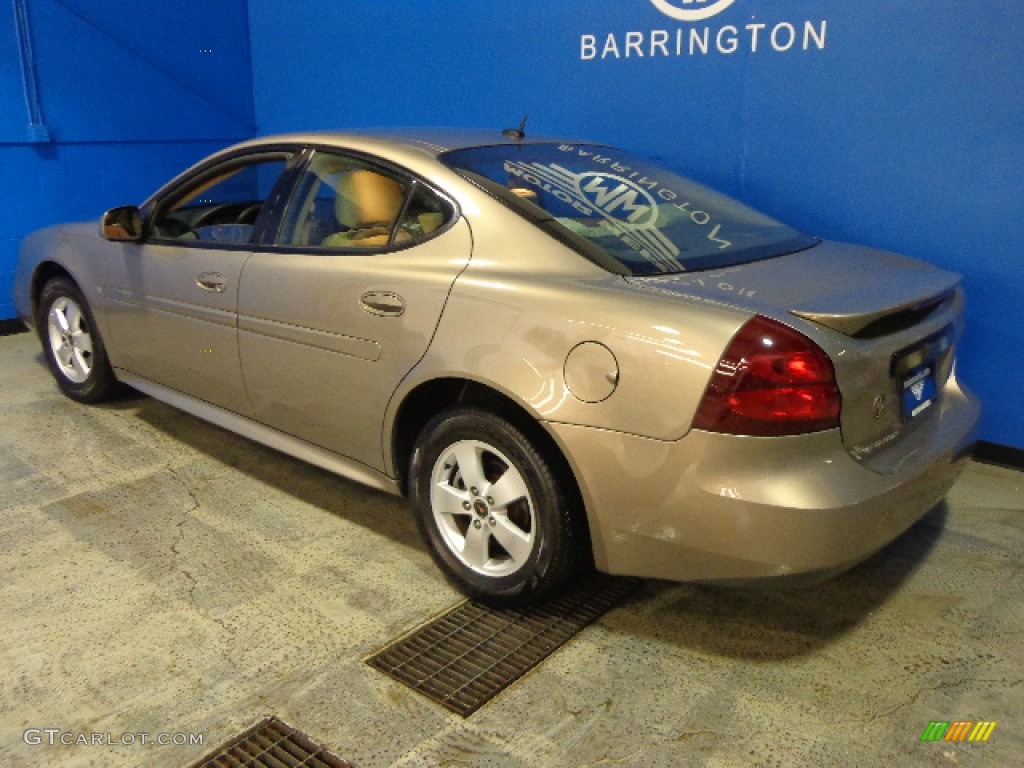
[[722, 507]]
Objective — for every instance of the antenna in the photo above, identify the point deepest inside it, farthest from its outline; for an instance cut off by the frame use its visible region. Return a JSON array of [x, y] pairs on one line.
[[516, 133]]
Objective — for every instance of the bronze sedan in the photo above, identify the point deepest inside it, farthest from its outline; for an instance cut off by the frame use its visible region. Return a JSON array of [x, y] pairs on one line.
[[564, 355]]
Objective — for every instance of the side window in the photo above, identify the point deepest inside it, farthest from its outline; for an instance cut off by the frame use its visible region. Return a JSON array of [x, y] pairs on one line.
[[223, 205], [426, 213], [345, 202]]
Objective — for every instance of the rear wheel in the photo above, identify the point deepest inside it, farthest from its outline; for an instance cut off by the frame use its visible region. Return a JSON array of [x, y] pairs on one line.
[[492, 510], [72, 344]]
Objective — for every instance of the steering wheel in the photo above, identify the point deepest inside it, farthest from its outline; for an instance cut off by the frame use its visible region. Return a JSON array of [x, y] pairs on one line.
[[215, 214], [175, 229], [249, 214]]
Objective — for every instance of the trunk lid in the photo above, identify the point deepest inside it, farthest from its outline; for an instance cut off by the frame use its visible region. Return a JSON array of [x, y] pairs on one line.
[[888, 322]]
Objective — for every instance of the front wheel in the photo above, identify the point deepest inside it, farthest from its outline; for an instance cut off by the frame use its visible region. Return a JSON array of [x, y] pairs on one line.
[[72, 344], [491, 509]]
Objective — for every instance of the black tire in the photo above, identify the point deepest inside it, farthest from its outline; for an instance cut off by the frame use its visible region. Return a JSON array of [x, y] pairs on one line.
[[502, 528], [72, 344]]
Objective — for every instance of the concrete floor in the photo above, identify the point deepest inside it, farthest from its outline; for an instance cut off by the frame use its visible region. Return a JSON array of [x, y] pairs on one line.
[[159, 575]]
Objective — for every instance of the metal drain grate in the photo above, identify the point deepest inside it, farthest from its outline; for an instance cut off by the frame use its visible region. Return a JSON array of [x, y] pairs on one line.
[[274, 744], [469, 655]]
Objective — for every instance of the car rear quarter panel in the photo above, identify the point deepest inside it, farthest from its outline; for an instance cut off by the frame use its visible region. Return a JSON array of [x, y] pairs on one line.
[[525, 302]]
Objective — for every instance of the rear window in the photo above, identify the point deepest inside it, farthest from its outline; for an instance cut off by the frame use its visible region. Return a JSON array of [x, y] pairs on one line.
[[623, 212]]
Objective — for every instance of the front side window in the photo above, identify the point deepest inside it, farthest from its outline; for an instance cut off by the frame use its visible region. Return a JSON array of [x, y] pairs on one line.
[[222, 206], [623, 212], [343, 202]]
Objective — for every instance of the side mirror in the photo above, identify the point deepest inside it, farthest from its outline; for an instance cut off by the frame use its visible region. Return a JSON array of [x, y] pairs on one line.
[[124, 223]]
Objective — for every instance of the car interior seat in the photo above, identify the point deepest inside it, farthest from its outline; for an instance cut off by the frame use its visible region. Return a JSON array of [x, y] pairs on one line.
[[366, 206]]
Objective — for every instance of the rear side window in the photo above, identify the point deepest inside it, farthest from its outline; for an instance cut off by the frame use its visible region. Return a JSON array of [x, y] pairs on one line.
[[343, 202], [648, 220]]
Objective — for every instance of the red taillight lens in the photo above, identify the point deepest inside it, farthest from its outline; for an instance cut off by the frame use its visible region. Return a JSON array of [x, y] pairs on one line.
[[771, 381]]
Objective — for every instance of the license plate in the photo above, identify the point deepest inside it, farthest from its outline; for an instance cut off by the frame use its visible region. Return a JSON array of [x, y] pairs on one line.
[[918, 391]]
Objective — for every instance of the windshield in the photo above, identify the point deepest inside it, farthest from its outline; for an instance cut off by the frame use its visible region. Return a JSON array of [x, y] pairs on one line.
[[624, 212]]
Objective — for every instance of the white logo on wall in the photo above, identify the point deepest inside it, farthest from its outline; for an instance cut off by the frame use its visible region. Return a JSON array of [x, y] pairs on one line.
[[692, 10], [692, 39]]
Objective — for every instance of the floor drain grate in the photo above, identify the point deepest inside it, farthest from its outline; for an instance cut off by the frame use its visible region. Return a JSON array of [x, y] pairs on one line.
[[274, 744], [467, 656]]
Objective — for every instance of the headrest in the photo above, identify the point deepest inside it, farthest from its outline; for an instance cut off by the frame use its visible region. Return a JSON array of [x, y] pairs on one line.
[[365, 198]]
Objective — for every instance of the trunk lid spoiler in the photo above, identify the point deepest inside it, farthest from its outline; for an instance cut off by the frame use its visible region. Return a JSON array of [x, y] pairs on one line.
[[857, 291]]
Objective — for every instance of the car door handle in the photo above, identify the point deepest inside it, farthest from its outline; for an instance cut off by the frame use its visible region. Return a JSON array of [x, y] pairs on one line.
[[383, 303], [214, 282]]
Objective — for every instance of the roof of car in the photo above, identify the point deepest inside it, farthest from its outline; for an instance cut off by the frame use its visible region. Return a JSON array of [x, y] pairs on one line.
[[432, 140]]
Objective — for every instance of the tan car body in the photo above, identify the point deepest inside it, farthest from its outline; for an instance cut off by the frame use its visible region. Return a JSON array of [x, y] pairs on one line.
[[291, 353]]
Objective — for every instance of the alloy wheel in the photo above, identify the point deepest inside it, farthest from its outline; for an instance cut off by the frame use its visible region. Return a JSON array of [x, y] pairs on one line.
[[70, 339], [482, 508]]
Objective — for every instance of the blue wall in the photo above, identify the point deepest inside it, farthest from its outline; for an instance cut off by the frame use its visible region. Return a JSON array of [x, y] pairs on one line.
[[897, 125], [124, 95]]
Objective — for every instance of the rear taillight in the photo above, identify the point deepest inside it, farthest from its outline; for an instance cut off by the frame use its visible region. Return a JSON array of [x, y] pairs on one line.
[[771, 381]]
